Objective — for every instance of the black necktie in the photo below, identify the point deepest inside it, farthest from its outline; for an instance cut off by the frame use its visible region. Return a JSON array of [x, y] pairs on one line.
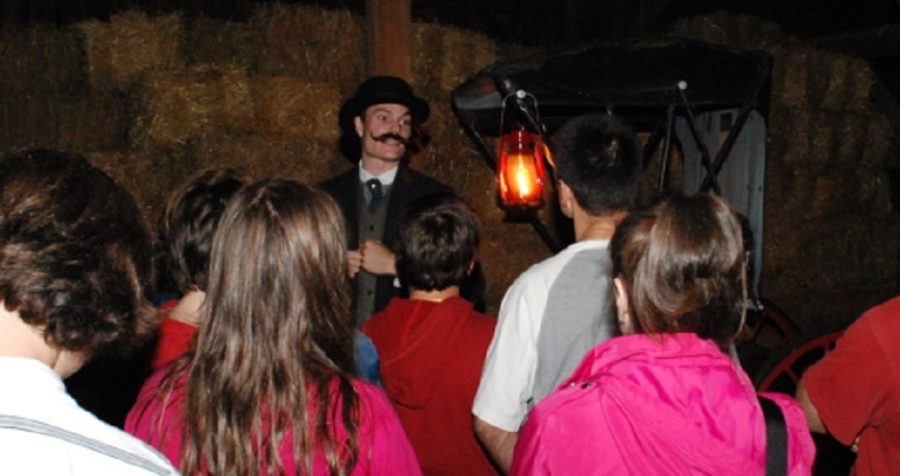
[[375, 193]]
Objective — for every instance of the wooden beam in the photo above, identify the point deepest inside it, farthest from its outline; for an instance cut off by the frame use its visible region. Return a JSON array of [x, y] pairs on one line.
[[388, 34]]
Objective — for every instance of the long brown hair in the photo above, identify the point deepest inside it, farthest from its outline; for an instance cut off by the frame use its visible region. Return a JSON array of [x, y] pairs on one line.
[[276, 332], [682, 262]]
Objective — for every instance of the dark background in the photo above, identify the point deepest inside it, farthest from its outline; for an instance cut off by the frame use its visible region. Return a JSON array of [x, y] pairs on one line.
[[867, 28]]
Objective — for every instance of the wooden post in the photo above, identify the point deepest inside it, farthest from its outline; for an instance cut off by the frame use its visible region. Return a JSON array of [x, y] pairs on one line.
[[388, 38]]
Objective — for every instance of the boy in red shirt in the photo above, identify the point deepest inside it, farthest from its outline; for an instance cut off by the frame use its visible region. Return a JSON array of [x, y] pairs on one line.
[[432, 345]]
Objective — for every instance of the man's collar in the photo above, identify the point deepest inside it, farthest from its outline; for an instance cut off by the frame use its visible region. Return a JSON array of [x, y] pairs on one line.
[[386, 178]]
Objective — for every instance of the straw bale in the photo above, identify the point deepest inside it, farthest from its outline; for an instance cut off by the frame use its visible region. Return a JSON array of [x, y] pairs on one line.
[[449, 149], [264, 155], [41, 60], [860, 140], [287, 105], [28, 121], [824, 128], [130, 44], [758, 33], [878, 137], [789, 134], [209, 40], [150, 175], [444, 57], [705, 28], [824, 269], [792, 191], [91, 121], [98, 120], [849, 83], [177, 106], [426, 50], [791, 76], [314, 44], [724, 28]]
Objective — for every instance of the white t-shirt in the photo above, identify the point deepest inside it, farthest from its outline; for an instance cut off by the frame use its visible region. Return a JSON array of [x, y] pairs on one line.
[[550, 317], [44, 431]]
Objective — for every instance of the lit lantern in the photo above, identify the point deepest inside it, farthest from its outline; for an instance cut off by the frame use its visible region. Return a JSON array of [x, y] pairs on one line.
[[520, 171]]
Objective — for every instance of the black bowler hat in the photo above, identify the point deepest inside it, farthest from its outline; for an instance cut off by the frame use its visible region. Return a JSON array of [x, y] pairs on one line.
[[383, 90]]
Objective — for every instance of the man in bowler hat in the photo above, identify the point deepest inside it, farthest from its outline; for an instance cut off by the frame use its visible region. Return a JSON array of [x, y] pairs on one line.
[[374, 195]]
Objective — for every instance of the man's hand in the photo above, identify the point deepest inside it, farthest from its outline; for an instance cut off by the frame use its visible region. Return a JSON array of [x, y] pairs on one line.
[[499, 443], [354, 261], [377, 258]]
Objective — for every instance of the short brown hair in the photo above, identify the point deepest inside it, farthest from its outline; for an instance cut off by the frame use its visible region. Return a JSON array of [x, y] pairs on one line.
[[190, 219], [75, 255], [438, 240], [682, 262]]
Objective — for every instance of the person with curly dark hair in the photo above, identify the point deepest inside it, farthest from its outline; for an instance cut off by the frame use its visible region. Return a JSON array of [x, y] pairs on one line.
[[190, 219], [75, 262], [270, 387]]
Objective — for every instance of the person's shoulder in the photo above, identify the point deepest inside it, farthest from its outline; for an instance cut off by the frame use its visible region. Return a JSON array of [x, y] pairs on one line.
[[548, 266], [886, 314], [373, 402], [481, 321], [340, 181], [101, 443], [422, 181]]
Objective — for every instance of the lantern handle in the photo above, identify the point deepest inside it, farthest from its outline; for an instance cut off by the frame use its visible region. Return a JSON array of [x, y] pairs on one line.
[[534, 120]]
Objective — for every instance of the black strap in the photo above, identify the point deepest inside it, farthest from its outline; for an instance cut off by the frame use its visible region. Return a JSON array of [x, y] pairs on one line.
[[776, 438]]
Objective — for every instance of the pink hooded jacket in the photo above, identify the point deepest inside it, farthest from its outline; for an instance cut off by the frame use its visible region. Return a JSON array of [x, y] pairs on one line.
[[668, 405]]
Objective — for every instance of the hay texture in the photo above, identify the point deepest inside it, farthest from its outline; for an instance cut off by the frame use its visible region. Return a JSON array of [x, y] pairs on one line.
[[315, 45], [287, 105], [210, 40], [263, 155], [178, 106], [129, 45], [41, 61], [150, 175], [444, 57]]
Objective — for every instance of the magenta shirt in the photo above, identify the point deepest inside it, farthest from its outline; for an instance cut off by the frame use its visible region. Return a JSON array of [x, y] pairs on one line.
[[383, 446], [648, 405]]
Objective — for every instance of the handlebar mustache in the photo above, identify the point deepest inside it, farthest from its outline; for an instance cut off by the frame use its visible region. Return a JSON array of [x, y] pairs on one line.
[[390, 135]]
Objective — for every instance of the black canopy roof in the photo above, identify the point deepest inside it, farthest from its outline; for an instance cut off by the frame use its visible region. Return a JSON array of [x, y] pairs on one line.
[[635, 79]]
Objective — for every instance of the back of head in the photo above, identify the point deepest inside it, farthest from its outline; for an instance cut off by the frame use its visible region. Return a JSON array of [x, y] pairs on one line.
[[276, 317], [599, 158], [75, 256], [682, 262], [190, 219], [439, 236]]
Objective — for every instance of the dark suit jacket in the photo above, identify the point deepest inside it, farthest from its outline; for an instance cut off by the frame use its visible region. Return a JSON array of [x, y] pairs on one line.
[[408, 186]]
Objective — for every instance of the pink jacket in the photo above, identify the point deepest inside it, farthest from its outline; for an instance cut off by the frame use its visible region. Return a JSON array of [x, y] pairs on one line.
[[667, 405], [384, 449]]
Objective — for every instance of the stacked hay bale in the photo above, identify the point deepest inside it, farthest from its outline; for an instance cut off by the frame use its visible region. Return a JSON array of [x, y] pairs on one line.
[[444, 57], [831, 233], [153, 99]]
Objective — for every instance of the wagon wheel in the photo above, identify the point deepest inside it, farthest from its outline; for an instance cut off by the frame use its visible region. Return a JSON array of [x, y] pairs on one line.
[[767, 329], [768, 326], [782, 373]]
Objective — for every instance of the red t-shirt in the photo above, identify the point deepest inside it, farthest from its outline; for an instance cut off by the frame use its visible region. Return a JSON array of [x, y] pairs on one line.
[[856, 389], [175, 337], [431, 359]]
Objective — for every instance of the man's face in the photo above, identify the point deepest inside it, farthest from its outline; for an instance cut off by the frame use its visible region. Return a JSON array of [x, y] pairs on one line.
[[384, 131]]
